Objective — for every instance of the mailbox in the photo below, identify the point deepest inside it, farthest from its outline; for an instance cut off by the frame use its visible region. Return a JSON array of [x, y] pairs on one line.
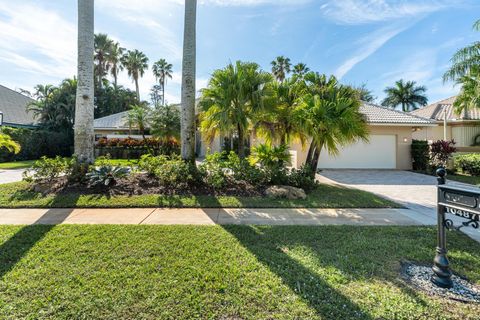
[[464, 203]]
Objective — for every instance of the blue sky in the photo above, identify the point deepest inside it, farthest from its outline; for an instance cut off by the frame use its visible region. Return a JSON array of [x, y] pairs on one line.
[[360, 41]]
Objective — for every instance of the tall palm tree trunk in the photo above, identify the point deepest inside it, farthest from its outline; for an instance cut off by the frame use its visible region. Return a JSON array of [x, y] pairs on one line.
[[137, 89], [83, 128], [163, 93], [188, 82]]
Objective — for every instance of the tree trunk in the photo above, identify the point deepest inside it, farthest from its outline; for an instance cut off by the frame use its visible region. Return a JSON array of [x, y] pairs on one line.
[[163, 93], [188, 82], [83, 128], [115, 77], [314, 162], [241, 142], [311, 150], [137, 89]]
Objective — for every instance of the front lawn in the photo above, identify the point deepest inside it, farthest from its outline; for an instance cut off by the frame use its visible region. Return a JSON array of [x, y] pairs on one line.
[[230, 272], [19, 195], [17, 164], [464, 178]]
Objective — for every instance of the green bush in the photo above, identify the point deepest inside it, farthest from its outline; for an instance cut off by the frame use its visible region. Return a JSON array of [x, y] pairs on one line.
[[273, 161], [468, 163], [420, 154], [170, 171], [48, 169], [302, 178], [36, 143], [243, 170], [214, 170]]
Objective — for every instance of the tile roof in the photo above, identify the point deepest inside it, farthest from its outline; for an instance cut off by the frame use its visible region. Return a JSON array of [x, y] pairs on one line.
[[381, 115], [437, 111], [14, 107]]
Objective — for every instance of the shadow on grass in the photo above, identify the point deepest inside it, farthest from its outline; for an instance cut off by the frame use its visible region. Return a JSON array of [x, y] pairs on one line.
[[311, 260]]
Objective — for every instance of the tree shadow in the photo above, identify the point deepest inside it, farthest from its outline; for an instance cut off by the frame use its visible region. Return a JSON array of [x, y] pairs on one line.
[[17, 246], [327, 302]]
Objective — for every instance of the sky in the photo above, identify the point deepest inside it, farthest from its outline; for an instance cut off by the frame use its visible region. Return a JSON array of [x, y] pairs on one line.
[[372, 42]]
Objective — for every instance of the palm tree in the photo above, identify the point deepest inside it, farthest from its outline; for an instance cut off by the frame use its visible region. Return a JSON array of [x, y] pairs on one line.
[[464, 59], [83, 129], [136, 63], [139, 117], [162, 70], [6, 142], [188, 81], [405, 94], [103, 47], [276, 123], [232, 98], [300, 70], [332, 118], [469, 96], [114, 59], [365, 94], [281, 67]]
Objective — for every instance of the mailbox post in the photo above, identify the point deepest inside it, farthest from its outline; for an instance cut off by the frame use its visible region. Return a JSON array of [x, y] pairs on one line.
[[460, 202]]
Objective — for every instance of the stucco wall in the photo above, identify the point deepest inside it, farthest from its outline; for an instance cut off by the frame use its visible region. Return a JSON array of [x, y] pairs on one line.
[[432, 133]]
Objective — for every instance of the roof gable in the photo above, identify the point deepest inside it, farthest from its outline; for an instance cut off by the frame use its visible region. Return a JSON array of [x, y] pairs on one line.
[[14, 107], [444, 108]]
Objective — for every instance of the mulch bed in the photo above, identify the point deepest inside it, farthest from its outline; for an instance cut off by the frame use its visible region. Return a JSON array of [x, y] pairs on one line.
[[138, 184]]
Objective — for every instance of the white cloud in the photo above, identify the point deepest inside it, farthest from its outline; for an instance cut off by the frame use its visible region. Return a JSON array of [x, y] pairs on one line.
[[368, 45], [36, 40], [253, 2], [368, 11]]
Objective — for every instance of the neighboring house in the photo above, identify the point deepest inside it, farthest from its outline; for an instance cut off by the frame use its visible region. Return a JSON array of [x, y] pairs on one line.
[[388, 147], [13, 105], [462, 128]]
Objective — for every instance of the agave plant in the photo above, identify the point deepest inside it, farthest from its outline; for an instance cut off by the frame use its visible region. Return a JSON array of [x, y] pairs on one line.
[[107, 175]]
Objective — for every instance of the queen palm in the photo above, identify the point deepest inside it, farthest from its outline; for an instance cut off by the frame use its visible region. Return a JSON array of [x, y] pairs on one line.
[[276, 122], [162, 70], [136, 62], [103, 48], [114, 59], [281, 66], [405, 94], [139, 117], [464, 59], [83, 128], [233, 96], [188, 81], [469, 96], [332, 118]]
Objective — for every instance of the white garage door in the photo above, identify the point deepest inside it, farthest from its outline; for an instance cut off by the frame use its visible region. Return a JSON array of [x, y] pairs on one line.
[[378, 153]]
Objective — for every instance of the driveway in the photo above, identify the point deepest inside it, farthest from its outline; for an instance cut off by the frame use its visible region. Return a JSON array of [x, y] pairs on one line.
[[14, 175], [416, 192]]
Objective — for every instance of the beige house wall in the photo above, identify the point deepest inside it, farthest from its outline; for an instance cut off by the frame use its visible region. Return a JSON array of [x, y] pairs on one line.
[[403, 139], [463, 133], [432, 134]]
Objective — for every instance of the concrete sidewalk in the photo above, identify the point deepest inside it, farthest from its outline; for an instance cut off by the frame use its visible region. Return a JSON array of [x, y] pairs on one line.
[[211, 216]]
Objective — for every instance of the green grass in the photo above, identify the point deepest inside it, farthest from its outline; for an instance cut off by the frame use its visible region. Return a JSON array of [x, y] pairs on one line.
[[19, 195], [17, 164], [230, 272], [464, 178]]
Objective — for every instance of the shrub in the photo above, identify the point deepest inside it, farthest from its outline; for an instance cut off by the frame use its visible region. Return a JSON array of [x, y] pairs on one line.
[[36, 143], [243, 170], [214, 170], [272, 160], [420, 154], [134, 148], [48, 169], [107, 175], [440, 152], [468, 163], [172, 172], [302, 178]]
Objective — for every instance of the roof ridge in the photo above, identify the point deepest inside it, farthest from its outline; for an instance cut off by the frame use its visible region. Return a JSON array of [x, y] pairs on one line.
[[398, 111]]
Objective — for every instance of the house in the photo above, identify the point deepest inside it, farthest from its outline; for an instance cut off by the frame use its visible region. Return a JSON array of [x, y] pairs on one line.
[[463, 128], [388, 147], [13, 106]]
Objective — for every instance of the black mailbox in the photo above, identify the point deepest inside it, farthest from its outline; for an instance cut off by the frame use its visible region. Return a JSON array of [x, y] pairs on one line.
[[464, 203]]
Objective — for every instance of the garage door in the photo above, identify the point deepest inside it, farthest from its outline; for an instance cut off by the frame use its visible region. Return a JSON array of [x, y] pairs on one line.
[[378, 153]]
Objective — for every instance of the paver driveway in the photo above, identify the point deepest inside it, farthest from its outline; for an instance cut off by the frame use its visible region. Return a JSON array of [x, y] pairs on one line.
[[415, 191]]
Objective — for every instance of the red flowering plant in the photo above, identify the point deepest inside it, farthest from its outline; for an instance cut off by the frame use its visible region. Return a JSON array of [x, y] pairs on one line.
[[113, 142], [441, 152]]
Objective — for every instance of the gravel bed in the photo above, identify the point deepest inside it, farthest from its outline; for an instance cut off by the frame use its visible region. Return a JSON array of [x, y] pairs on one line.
[[462, 290]]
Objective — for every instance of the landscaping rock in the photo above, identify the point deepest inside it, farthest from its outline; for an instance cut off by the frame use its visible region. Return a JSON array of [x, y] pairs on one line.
[[288, 192]]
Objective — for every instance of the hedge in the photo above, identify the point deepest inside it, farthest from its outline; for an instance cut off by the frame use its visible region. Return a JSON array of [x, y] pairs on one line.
[[130, 148], [468, 163], [36, 143]]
